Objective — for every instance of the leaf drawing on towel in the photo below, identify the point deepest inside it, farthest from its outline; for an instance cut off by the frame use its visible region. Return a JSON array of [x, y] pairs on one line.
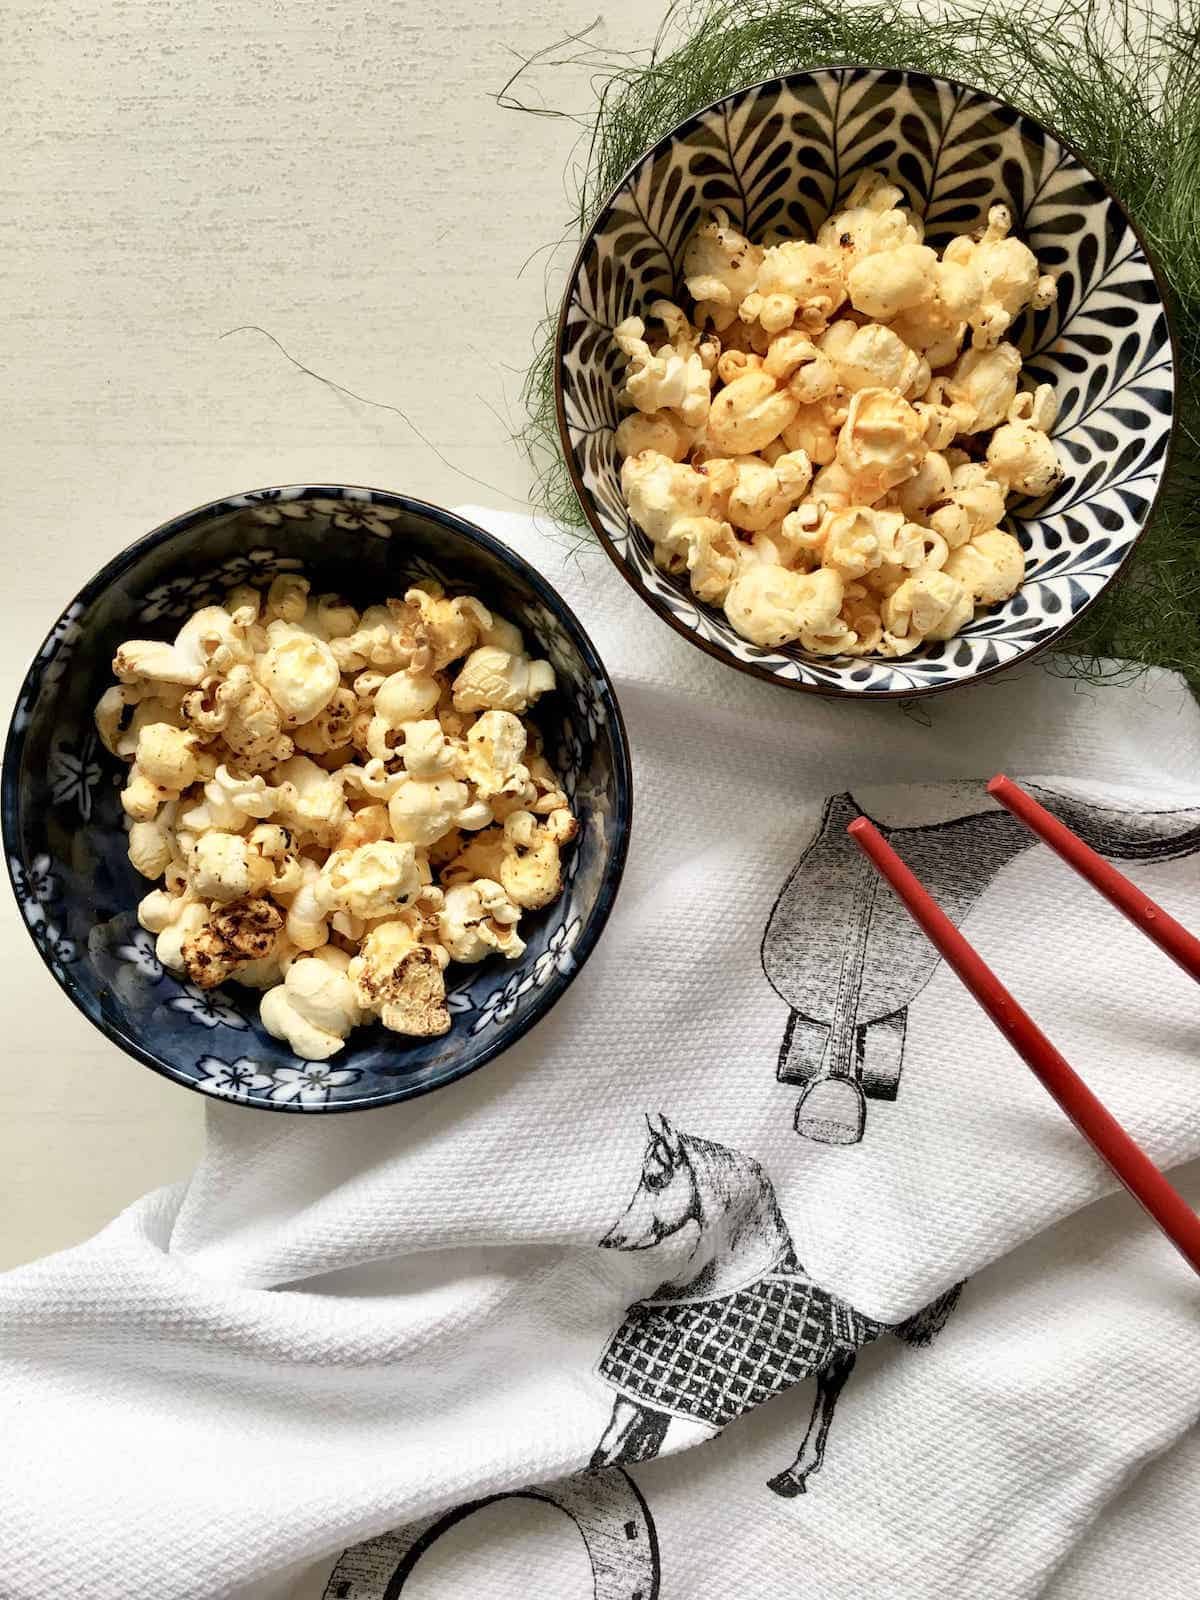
[[740, 1322], [843, 953], [607, 1508]]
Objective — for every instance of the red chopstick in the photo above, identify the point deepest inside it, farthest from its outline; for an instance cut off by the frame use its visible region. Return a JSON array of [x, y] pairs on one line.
[[1128, 1161], [1157, 924]]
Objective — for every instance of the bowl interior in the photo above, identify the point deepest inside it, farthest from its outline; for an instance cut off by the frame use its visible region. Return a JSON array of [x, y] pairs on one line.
[[66, 844], [779, 158]]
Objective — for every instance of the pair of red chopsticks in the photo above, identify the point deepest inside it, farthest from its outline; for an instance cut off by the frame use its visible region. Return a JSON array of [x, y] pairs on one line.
[[1129, 1162]]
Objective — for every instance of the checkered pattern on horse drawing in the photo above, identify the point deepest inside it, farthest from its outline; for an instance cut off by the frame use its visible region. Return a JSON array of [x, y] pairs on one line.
[[714, 1359]]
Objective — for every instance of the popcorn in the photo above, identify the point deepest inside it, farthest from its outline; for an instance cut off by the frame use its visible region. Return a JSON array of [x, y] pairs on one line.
[[990, 568], [210, 640], [983, 385], [705, 548], [860, 616], [270, 969], [495, 679], [816, 489], [308, 800], [531, 872], [492, 760], [244, 713], [366, 825], [401, 698], [770, 606], [658, 491], [229, 800], [244, 930], [427, 752], [387, 637], [673, 377], [112, 711], [1022, 458], [793, 358], [860, 539], [884, 283], [179, 930], [372, 881], [749, 413], [1037, 407], [161, 909], [315, 1007], [664, 432], [936, 325], [764, 494], [931, 605], [478, 918], [151, 845], [307, 913], [298, 671], [165, 764], [332, 728], [286, 599], [719, 269], [421, 810], [1008, 275], [299, 772], [882, 443], [795, 281], [974, 504], [873, 219], [399, 979], [873, 357], [448, 628], [224, 866], [929, 485], [274, 845], [814, 429]]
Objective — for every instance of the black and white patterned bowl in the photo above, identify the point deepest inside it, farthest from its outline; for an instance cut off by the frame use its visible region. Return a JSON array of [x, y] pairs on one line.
[[65, 842], [781, 156]]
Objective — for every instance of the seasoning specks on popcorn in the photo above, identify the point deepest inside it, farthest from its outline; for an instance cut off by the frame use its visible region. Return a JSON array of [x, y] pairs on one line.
[[338, 804], [812, 449]]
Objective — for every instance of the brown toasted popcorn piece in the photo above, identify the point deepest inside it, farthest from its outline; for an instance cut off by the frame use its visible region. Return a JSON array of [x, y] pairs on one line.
[[244, 930]]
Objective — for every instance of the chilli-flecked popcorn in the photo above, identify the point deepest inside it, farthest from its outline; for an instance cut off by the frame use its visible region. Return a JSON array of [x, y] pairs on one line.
[[828, 446]]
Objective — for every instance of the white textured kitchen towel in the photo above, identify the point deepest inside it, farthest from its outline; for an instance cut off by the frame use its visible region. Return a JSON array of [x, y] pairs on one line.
[[359, 1357]]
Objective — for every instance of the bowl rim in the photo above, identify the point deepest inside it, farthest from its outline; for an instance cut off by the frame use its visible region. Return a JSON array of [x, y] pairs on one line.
[[14, 744], [586, 502]]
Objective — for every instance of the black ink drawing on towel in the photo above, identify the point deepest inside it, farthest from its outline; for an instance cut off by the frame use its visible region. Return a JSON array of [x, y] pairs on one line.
[[740, 1322], [842, 952], [607, 1508]]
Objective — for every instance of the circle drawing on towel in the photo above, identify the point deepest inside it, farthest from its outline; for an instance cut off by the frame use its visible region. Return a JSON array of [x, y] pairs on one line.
[[607, 1508]]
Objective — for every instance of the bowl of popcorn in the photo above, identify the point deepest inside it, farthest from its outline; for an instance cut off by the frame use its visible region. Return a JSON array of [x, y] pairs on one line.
[[865, 382], [316, 798]]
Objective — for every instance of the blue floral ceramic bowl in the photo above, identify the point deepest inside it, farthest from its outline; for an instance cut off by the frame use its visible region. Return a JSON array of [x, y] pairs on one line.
[[65, 842], [781, 156]]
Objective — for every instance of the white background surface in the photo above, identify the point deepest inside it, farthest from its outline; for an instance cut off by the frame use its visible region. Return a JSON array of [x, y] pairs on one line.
[[338, 173]]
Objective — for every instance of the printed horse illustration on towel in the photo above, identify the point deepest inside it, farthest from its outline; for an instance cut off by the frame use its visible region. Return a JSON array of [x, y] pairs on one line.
[[740, 1322], [843, 953]]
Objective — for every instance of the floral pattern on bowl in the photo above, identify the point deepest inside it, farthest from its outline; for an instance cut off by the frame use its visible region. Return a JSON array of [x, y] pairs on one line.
[[781, 156], [65, 840]]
